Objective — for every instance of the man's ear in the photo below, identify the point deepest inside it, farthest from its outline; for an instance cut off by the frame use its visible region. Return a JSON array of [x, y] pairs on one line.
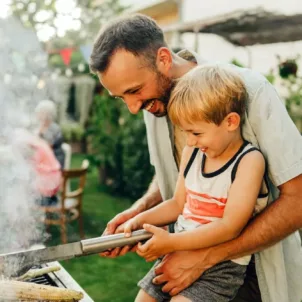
[[164, 60], [232, 121]]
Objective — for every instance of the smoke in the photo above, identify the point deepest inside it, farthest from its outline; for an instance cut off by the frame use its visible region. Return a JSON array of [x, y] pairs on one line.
[[23, 83]]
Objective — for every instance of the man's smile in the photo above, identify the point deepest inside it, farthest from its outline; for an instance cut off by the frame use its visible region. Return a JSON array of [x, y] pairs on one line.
[[150, 106]]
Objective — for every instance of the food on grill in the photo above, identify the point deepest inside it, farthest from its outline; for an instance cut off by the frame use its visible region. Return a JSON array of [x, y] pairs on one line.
[[25, 291], [34, 273]]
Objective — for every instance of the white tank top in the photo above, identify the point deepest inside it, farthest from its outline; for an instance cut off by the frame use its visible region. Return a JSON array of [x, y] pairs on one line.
[[207, 193]]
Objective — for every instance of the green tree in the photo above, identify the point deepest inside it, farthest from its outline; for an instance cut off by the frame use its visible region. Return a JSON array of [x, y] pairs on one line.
[[41, 14], [44, 14], [119, 146]]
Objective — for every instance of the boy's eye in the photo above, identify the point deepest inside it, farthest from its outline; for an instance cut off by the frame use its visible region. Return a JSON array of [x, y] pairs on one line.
[[197, 134]]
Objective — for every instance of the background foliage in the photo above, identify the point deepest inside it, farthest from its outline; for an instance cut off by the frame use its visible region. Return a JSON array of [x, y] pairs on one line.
[[90, 18], [119, 147], [44, 14]]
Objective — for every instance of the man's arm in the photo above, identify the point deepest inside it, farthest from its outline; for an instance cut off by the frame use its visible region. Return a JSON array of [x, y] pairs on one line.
[[280, 219], [151, 198]]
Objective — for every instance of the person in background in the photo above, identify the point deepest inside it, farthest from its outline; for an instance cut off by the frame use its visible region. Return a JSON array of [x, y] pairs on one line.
[[49, 130], [48, 176]]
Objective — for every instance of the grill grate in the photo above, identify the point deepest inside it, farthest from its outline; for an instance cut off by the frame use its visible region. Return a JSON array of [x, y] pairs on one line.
[[44, 280], [60, 279]]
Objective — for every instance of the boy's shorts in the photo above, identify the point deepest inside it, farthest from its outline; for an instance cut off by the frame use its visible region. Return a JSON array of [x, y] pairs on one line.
[[220, 283]]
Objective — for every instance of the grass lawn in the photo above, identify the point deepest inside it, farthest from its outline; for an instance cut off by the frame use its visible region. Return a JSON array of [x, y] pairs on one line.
[[103, 279]]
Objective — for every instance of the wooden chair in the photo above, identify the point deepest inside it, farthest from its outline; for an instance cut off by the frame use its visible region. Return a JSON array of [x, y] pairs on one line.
[[67, 161], [69, 207]]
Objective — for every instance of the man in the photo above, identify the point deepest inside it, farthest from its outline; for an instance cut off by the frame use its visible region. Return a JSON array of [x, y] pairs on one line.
[[134, 63]]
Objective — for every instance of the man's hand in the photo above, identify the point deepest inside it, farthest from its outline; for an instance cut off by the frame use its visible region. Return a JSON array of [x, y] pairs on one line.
[[160, 244], [180, 269], [116, 225]]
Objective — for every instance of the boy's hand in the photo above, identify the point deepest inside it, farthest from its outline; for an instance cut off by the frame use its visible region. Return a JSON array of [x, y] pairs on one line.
[[160, 244], [131, 225], [116, 224]]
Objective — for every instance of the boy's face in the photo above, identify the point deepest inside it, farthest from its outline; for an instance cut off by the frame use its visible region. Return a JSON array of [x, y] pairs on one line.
[[208, 137]]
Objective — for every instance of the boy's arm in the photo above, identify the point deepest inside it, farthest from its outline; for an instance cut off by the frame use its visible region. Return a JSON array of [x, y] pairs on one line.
[[238, 210], [168, 211], [161, 215]]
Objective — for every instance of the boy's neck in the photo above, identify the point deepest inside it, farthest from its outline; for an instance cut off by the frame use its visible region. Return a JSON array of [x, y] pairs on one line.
[[233, 146], [214, 164], [231, 149]]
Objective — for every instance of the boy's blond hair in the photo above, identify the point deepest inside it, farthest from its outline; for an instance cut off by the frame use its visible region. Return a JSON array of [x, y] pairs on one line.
[[207, 93]]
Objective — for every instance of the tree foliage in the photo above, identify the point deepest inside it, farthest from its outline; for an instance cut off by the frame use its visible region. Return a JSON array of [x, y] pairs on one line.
[[46, 14], [119, 144]]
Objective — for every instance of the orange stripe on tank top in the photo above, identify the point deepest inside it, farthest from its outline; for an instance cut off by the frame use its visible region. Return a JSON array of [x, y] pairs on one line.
[[206, 196], [200, 208]]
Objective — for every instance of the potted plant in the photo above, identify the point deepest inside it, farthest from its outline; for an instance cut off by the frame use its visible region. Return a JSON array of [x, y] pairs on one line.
[[73, 134], [288, 68]]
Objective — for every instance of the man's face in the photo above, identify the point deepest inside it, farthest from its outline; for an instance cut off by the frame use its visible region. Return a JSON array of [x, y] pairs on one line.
[[140, 86]]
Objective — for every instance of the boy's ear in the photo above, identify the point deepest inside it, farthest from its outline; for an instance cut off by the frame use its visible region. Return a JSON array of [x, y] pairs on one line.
[[233, 121]]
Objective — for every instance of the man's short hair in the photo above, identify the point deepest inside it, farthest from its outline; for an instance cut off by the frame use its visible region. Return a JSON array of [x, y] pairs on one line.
[[208, 93], [137, 34]]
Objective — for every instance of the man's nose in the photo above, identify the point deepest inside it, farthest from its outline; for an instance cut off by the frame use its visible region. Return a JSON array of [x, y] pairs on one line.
[[191, 140], [134, 105]]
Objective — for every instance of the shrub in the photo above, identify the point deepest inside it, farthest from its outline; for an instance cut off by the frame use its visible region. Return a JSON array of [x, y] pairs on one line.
[[119, 147], [72, 131]]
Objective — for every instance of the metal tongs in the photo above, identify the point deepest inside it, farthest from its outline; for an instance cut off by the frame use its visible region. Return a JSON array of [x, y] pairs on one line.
[[17, 263]]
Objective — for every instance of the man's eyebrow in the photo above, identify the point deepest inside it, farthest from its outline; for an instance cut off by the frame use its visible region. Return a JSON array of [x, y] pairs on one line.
[[130, 90]]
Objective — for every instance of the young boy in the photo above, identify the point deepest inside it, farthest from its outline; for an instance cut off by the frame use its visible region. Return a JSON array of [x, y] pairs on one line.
[[220, 184]]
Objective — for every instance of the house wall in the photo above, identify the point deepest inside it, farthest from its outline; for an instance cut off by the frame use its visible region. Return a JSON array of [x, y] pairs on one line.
[[165, 19]]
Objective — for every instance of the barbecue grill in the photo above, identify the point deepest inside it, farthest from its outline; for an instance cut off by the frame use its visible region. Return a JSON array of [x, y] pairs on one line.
[[60, 279], [17, 263]]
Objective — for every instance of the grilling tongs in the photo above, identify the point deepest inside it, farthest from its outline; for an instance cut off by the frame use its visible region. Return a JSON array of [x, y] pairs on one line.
[[17, 263]]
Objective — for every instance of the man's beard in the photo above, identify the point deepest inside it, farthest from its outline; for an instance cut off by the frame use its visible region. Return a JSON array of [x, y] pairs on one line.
[[165, 86]]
